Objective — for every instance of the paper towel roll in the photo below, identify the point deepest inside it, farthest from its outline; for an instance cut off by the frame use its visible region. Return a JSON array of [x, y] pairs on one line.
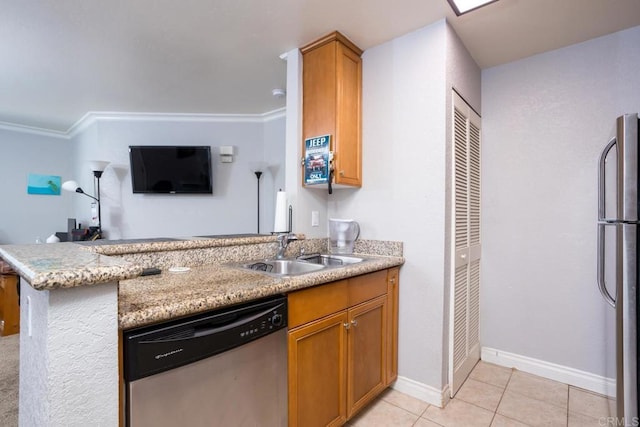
[[53, 238], [280, 223]]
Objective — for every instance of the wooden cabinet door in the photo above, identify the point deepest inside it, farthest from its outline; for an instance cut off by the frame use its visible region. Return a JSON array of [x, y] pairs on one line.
[[347, 144], [367, 355], [393, 294], [319, 91], [9, 308], [317, 372]]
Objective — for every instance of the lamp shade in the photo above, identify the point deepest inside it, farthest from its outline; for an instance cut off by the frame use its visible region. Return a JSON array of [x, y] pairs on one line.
[[98, 165], [70, 186], [258, 166]]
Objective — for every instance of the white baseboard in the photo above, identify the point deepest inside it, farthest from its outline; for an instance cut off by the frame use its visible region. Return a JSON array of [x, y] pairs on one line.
[[421, 391], [552, 371]]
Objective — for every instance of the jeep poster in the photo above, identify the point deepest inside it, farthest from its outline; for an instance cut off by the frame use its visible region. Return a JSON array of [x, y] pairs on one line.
[[316, 160]]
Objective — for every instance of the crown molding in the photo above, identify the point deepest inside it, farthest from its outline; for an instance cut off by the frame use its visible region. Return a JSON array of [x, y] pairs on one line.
[[32, 130], [93, 117], [275, 114]]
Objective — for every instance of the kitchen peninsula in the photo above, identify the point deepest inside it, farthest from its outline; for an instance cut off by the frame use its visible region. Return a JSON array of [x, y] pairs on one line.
[[75, 298]]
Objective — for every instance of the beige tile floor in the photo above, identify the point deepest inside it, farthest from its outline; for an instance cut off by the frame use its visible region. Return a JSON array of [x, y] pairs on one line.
[[494, 396]]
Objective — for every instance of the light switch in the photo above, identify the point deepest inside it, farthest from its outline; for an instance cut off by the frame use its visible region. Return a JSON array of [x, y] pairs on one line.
[[315, 218]]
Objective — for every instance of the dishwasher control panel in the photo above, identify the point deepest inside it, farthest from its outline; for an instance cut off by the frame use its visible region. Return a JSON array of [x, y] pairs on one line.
[[272, 321], [157, 348]]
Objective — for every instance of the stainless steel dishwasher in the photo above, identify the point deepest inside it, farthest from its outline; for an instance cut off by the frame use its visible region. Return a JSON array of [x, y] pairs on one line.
[[222, 368]]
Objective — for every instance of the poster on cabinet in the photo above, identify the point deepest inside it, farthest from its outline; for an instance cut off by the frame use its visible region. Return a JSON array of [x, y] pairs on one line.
[[317, 158]]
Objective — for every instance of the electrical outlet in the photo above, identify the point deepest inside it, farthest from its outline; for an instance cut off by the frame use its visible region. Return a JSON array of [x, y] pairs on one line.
[[315, 218]]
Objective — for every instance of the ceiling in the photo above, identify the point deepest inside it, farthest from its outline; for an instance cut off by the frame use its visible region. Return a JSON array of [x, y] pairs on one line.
[[60, 59]]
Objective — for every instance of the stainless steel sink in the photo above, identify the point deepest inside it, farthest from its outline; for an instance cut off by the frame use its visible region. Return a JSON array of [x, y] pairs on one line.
[[302, 265], [283, 267], [330, 260]]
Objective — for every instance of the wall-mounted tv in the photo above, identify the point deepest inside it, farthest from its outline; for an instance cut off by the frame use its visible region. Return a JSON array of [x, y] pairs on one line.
[[170, 169]]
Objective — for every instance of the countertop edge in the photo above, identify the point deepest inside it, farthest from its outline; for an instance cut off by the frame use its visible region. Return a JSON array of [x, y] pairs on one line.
[[65, 265], [178, 244], [83, 277]]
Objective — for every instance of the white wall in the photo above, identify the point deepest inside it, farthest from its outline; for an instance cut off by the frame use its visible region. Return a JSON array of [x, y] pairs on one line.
[[402, 197], [274, 131], [23, 217], [405, 90], [545, 120], [230, 209], [303, 200]]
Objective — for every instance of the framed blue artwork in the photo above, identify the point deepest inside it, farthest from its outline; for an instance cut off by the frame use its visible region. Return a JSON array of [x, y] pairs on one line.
[[43, 184]]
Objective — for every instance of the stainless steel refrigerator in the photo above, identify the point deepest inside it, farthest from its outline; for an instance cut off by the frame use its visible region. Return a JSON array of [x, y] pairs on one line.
[[618, 256]]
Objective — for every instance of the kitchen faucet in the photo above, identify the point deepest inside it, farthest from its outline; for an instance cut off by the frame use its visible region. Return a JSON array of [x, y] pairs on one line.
[[283, 242]]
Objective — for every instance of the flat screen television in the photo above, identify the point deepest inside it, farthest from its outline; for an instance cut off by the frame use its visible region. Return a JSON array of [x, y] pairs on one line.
[[170, 169]]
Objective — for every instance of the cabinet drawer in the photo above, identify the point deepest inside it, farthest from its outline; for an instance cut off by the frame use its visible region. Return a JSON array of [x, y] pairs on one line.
[[366, 287], [313, 303]]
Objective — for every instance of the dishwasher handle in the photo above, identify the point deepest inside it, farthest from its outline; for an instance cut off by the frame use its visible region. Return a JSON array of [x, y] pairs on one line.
[[206, 329], [203, 331]]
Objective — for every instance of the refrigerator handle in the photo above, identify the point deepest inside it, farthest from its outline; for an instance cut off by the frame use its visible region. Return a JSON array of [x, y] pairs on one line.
[[601, 282], [601, 179]]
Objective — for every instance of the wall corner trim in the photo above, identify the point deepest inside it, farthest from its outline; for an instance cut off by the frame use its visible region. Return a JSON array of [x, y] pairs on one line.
[[427, 393], [552, 371]]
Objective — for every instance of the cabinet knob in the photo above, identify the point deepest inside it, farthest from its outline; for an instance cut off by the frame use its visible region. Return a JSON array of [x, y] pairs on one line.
[[354, 322], [341, 173], [346, 325], [392, 280]]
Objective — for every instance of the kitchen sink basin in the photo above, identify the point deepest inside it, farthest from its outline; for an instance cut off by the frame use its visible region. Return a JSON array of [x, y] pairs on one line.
[[331, 260], [301, 265], [283, 267]]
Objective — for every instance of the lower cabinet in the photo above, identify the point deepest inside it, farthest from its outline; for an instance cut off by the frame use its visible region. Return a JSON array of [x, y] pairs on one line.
[[341, 348], [9, 308], [318, 372], [366, 353]]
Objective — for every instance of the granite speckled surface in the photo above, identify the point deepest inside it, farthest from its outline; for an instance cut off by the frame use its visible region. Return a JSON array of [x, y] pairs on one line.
[[151, 299], [173, 244], [221, 254], [212, 281], [65, 265]]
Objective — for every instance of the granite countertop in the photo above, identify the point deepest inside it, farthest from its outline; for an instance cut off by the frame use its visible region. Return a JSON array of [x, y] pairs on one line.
[[71, 264], [119, 247], [210, 283], [65, 265], [150, 299]]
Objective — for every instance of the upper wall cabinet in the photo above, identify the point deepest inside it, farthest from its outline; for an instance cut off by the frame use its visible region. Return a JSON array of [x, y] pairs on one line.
[[332, 103]]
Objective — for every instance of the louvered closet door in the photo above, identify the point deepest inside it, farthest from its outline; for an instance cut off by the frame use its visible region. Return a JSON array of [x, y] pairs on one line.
[[464, 338]]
